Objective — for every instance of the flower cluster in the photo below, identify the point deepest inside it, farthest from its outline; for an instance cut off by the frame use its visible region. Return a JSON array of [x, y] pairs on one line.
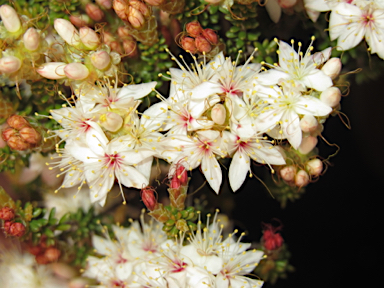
[[143, 257]]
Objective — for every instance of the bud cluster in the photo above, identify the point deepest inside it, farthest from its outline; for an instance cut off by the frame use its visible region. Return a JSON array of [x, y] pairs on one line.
[[20, 135], [11, 227], [196, 39], [44, 253], [133, 12]]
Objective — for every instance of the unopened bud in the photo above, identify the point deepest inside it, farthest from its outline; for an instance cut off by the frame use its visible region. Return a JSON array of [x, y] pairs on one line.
[[7, 133], [7, 213], [31, 39], [100, 59], [123, 32], [130, 47], [10, 18], [17, 229], [17, 122], [332, 67], [140, 6], [307, 144], [76, 71], [108, 37], [218, 114], [121, 9], [202, 44], [7, 226], [52, 70], [149, 199], [52, 254], [314, 167], [194, 29], [135, 18], [288, 173], [67, 31], [30, 135], [41, 259], [154, 2], [188, 44], [331, 96], [301, 178], [89, 38], [181, 174], [111, 121], [9, 64], [115, 46], [94, 12], [211, 36], [308, 123], [17, 143], [272, 240], [80, 20], [287, 3], [107, 4]]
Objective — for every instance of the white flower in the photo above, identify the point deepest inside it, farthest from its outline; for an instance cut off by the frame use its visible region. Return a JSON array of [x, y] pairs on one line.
[[299, 67], [285, 108], [350, 24]]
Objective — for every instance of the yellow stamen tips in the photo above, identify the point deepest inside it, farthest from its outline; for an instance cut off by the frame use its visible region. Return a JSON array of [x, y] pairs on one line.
[[313, 38], [160, 75], [277, 41], [273, 171], [124, 202]]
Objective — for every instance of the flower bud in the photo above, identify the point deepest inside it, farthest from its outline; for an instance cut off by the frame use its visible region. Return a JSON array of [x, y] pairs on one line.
[[34, 250], [7, 213], [301, 178], [331, 96], [194, 29], [140, 6], [80, 20], [52, 254], [30, 135], [308, 123], [181, 174], [314, 167], [121, 8], [107, 4], [149, 199], [10, 18], [17, 122], [41, 259], [332, 67], [17, 229], [9, 64], [67, 31], [123, 32], [130, 47], [211, 36], [100, 59], [202, 44], [307, 144], [154, 2], [17, 143], [111, 121], [7, 133], [89, 38], [115, 46], [188, 44], [76, 71], [218, 114], [94, 12], [7, 226], [287, 3], [288, 173], [52, 70], [31, 39], [272, 240], [135, 18]]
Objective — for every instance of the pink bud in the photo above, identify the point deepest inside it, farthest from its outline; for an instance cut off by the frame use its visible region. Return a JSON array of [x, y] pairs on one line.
[[80, 20], [9, 64], [202, 44], [123, 32], [7, 133], [287, 3], [314, 167], [7, 213], [111, 121], [30, 135], [149, 199], [331, 96], [194, 29], [181, 174], [52, 254], [130, 47], [140, 6], [188, 44], [17, 122], [67, 31], [288, 173], [10, 18], [100, 59], [121, 9], [301, 178], [135, 18], [17, 143], [52, 70], [211, 36], [89, 38], [307, 144], [31, 39], [332, 68], [94, 12], [76, 71], [218, 114], [308, 123], [107, 4]]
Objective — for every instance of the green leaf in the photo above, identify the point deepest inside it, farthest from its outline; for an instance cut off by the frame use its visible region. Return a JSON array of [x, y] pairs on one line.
[[66, 217], [36, 212], [49, 233], [63, 227]]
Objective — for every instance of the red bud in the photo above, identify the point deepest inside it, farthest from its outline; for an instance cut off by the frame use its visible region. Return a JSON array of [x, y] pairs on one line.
[[149, 198], [202, 44], [188, 44], [211, 36], [194, 29], [17, 229], [17, 122], [7, 213]]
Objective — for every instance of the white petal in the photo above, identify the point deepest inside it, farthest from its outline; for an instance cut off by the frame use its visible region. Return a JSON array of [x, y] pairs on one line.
[[291, 128], [238, 170], [317, 80], [136, 91], [212, 172]]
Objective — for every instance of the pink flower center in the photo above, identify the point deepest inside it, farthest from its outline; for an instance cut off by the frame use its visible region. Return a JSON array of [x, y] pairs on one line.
[[178, 266], [113, 160]]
